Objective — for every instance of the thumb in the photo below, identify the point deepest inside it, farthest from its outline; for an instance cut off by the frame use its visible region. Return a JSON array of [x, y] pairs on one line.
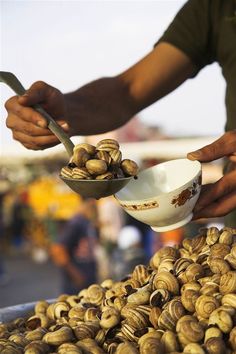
[[37, 93], [224, 146]]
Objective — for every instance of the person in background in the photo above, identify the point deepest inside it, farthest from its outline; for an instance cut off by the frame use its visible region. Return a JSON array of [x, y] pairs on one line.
[[129, 252], [74, 250], [203, 32]]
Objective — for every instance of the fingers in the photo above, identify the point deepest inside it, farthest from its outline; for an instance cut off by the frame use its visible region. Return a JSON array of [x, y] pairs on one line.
[[224, 146], [36, 142], [39, 92], [220, 207], [217, 199]]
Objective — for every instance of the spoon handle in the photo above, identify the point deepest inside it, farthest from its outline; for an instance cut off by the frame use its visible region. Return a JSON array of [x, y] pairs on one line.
[[12, 81]]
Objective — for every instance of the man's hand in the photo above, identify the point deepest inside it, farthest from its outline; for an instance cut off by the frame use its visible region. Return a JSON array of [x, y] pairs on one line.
[[27, 125], [217, 199]]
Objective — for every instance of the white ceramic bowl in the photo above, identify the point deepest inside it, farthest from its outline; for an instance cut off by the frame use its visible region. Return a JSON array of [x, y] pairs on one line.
[[163, 196]]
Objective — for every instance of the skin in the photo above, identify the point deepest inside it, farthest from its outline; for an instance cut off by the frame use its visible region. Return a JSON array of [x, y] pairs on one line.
[[88, 111]]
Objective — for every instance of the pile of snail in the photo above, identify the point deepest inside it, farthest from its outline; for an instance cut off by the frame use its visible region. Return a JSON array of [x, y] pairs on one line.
[[103, 161], [183, 301]]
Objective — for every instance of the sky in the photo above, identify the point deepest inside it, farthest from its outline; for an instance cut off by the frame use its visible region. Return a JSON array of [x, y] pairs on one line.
[[69, 43]]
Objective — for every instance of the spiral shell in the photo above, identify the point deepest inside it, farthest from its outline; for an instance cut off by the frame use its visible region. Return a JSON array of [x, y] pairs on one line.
[[181, 265], [66, 172], [107, 175], [86, 330], [168, 281], [96, 167], [228, 282], [198, 243], [194, 272], [171, 314], [126, 347], [226, 237], [116, 157], [209, 288], [80, 173], [189, 330], [219, 250], [159, 297], [141, 274], [221, 319], [103, 155], [107, 145], [212, 332], [232, 338], [163, 253], [88, 147], [205, 305], [80, 157], [95, 294], [36, 346], [189, 298], [129, 167], [215, 346], [151, 345], [219, 266], [59, 336], [92, 314], [213, 235], [137, 319], [110, 318], [141, 296], [170, 342], [231, 260], [193, 348], [154, 316], [229, 300]]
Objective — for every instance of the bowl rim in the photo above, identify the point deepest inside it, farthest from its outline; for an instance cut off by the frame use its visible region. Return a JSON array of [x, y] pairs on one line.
[[145, 200]]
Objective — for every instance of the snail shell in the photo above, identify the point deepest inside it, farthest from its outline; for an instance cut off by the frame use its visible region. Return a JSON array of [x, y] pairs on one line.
[[193, 348], [181, 265], [141, 274], [189, 330], [77, 311], [229, 300], [231, 260], [213, 235], [205, 305], [218, 266], [137, 319], [80, 157], [39, 320], [100, 336], [66, 172], [228, 282], [107, 145], [154, 316], [141, 296], [103, 155], [212, 332], [166, 265], [198, 243], [41, 307], [219, 250], [96, 167], [215, 346], [95, 294], [189, 298], [221, 319], [209, 288], [194, 272], [19, 339], [109, 318], [163, 253], [159, 297], [226, 237], [168, 281], [129, 167], [233, 251], [72, 300], [193, 285], [126, 347], [107, 175], [92, 314], [187, 244], [80, 173], [129, 332], [86, 330], [36, 346], [232, 338], [36, 334], [107, 283], [116, 157], [151, 346], [170, 342], [61, 309], [60, 336], [88, 147]]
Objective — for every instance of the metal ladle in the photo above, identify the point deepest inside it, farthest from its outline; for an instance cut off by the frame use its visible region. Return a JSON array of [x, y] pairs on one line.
[[86, 188]]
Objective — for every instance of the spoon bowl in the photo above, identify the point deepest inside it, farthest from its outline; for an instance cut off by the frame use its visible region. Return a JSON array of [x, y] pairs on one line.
[[87, 188], [96, 188]]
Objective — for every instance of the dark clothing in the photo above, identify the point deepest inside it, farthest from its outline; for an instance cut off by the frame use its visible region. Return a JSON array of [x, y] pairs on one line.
[[79, 237], [205, 30]]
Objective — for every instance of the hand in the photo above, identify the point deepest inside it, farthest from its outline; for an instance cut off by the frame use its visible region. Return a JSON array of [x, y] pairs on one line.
[[217, 199], [27, 125]]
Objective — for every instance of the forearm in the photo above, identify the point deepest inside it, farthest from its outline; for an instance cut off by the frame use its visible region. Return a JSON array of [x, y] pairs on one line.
[[108, 103], [74, 273], [100, 106]]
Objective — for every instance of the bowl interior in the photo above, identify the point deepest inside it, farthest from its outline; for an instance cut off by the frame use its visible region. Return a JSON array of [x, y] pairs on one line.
[[160, 179]]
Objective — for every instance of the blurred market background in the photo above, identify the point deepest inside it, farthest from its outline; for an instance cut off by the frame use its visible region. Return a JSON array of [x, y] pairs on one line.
[[68, 43]]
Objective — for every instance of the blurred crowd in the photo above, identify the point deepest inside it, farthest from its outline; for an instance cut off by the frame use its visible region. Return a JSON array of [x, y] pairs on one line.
[[95, 241]]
